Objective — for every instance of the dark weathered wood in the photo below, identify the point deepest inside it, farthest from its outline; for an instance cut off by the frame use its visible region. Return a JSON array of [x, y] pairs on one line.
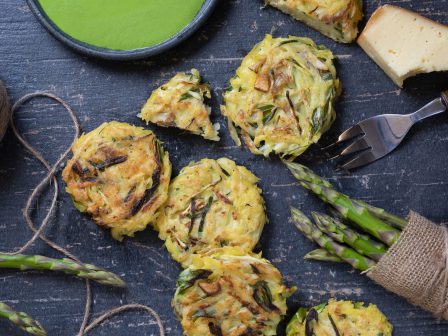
[[413, 177]]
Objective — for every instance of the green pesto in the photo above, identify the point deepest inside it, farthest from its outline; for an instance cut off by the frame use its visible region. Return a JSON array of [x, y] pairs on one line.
[[121, 24]]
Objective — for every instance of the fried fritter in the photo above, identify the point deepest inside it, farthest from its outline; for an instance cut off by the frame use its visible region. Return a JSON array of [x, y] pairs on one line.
[[340, 318], [119, 174], [337, 19], [180, 103], [230, 293], [212, 203], [282, 98]]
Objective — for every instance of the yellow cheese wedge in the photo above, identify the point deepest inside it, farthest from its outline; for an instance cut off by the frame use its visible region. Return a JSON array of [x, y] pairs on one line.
[[404, 43]]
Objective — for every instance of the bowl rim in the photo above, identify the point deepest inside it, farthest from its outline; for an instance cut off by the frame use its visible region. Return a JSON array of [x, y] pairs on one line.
[[122, 55]]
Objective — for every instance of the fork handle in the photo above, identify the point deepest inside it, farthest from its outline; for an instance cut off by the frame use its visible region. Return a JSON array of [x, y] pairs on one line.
[[444, 95], [435, 107]]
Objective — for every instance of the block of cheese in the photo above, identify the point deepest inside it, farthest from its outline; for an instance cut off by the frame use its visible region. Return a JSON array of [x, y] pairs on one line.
[[404, 43]]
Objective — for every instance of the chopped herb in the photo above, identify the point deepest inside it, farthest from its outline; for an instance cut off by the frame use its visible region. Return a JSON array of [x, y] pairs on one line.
[[109, 162], [159, 149], [312, 316], [262, 295], [192, 214], [326, 76], [265, 108], [130, 192], [214, 329], [338, 28], [189, 277], [77, 168], [254, 269], [185, 96], [149, 192], [294, 61], [207, 313], [287, 42], [226, 173], [320, 308], [333, 324], [268, 112], [291, 104], [204, 214], [301, 314], [317, 119]]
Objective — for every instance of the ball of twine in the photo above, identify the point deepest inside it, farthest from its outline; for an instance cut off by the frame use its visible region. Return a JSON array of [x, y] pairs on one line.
[[5, 110]]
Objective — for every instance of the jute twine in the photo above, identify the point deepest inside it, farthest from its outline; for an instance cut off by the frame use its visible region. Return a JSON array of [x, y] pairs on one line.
[[50, 178], [416, 266], [5, 110]]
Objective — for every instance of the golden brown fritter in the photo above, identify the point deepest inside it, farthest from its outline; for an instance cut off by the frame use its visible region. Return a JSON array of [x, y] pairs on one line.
[[282, 98], [180, 103], [211, 203], [340, 318], [119, 174], [230, 293], [337, 19]]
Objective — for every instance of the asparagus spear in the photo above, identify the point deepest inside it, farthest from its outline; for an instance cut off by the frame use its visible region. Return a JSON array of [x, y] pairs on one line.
[[22, 320], [347, 254], [343, 234], [321, 254], [348, 209], [86, 271], [395, 221]]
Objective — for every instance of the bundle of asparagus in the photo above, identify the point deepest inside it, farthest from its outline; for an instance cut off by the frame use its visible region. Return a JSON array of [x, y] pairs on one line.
[[25, 262], [338, 241]]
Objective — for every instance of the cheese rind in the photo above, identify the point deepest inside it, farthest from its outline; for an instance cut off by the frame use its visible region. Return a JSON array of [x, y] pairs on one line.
[[404, 43]]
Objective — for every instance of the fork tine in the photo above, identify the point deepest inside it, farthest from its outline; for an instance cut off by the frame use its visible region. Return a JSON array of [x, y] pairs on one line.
[[352, 132], [357, 146], [361, 160]]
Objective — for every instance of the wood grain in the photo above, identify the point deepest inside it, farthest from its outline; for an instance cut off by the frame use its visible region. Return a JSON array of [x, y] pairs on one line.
[[413, 177]]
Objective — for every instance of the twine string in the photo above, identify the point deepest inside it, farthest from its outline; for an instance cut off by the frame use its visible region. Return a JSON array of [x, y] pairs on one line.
[[50, 179]]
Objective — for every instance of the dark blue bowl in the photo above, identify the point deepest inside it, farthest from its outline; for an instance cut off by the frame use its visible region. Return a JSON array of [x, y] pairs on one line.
[[124, 55]]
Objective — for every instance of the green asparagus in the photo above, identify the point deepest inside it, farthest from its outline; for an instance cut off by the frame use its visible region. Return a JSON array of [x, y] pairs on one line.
[[343, 234], [346, 253], [395, 221], [321, 254], [21, 320], [354, 211], [86, 271]]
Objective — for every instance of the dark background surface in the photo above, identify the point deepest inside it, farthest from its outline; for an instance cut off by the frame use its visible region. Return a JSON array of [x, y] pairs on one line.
[[413, 177]]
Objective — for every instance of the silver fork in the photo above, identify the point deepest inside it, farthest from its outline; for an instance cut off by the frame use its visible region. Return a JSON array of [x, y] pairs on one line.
[[380, 135]]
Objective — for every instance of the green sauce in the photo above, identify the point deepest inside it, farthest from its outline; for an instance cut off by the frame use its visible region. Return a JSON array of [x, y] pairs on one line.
[[121, 24]]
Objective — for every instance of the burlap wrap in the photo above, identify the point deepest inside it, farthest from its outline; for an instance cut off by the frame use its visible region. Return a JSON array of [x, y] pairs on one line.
[[416, 266]]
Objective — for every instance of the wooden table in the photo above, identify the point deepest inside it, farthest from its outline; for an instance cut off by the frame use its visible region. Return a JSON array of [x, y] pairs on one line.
[[413, 177]]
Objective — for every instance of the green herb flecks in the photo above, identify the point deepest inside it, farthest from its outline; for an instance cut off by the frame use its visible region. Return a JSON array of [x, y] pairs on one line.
[[262, 295], [101, 166], [188, 277], [333, 324], [204, 214], [287, 42], [311, 317]]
